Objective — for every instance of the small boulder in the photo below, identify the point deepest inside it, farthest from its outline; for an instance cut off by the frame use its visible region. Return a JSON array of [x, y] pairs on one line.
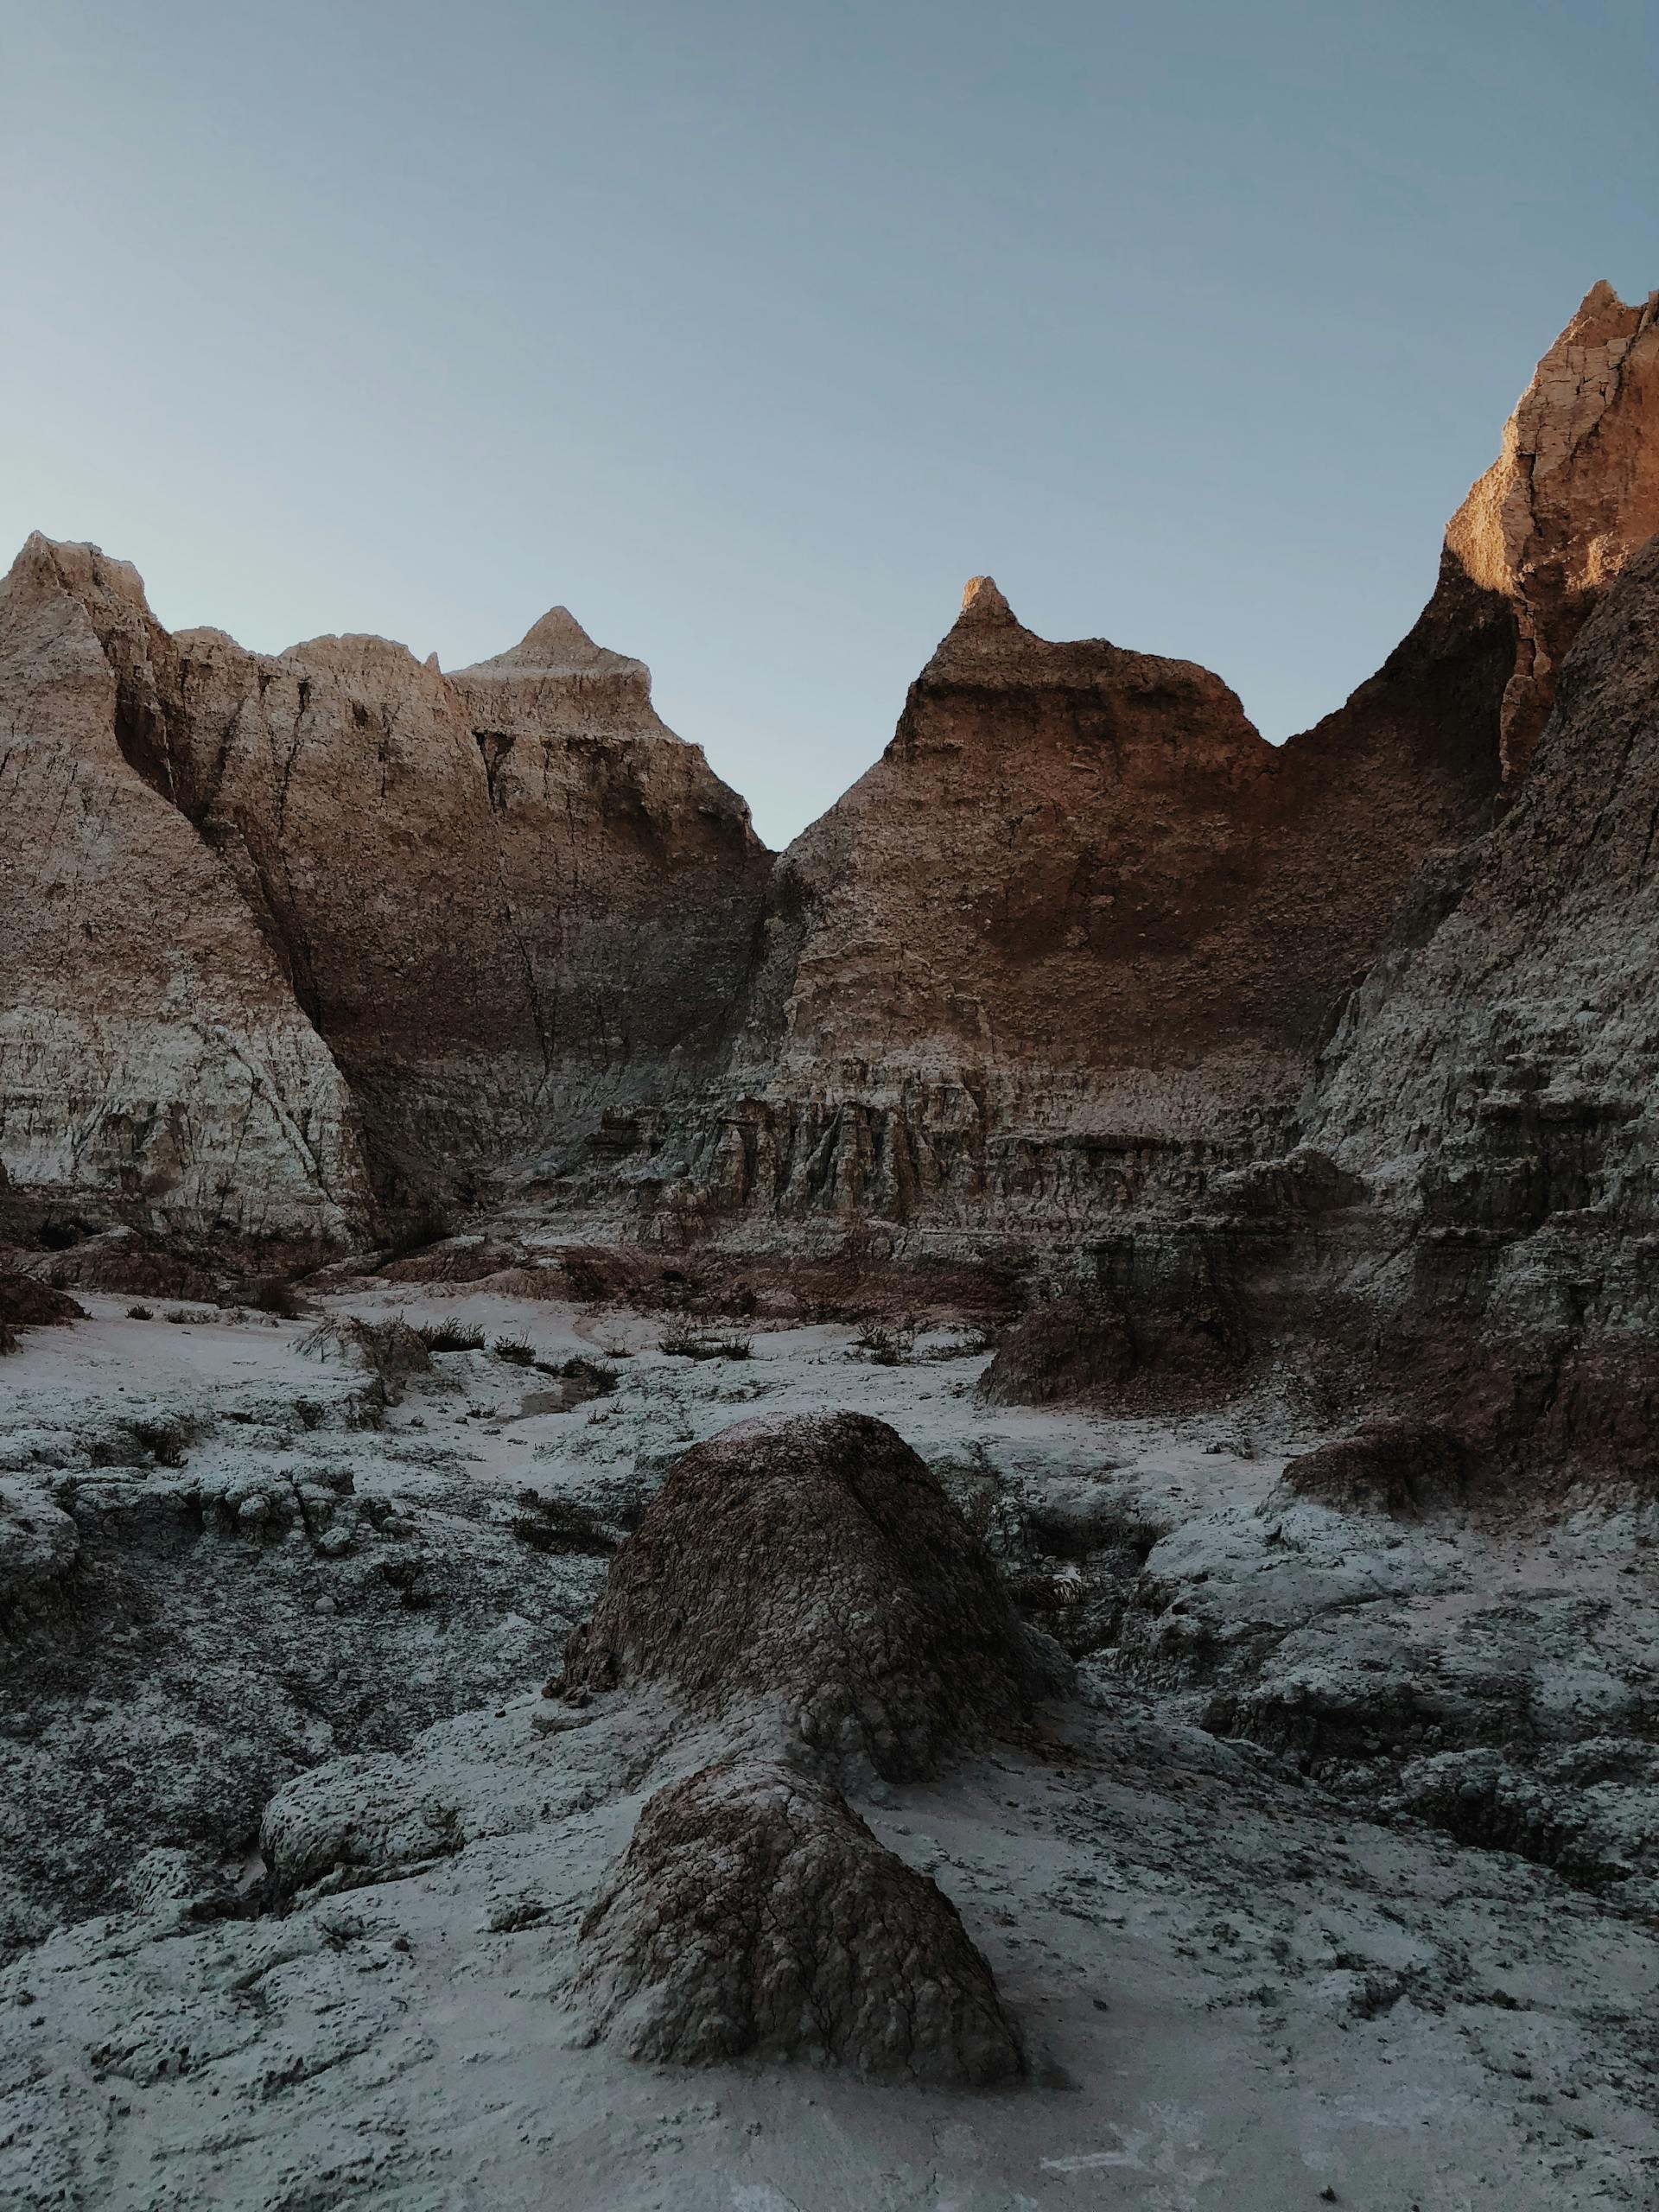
[[754, 1915], [26, 1303], [814, 1560]]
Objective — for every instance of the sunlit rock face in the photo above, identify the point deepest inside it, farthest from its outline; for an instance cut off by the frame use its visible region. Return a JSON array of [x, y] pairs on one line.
[[151, 1047], [402, 929], [1571, 497]]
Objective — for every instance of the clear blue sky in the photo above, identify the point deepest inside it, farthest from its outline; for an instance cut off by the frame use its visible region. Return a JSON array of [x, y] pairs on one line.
[[749, 329]]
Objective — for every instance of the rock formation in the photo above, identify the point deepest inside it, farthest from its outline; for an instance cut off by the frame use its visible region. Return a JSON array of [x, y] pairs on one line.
[[754, 1915], [813, 1562], [151, 1046], [292, 937], [1400, 1468], [1495, 1077], [1573, 494], [284, 926], [1069, 948]]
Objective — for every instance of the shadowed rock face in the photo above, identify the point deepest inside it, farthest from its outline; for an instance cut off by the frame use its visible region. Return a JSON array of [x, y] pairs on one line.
[[1068, 948], [813, 1561], [26, 1304], [1395, 1467], [1122, 1351], [1495, 1077], [754, 1915], [1071, 945]]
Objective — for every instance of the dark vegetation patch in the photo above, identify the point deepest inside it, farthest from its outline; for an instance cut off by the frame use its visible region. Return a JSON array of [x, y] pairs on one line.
[[888, 1346], [681, 1341], [391, 1350], [579, 1379], [450, 1336]]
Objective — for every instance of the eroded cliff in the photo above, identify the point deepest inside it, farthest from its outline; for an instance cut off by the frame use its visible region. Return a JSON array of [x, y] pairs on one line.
[[471, 911]]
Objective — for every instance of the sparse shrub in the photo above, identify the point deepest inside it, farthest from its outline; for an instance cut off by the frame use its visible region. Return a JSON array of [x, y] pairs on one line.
[[887, 1346], [140, 1313], [517, 1351], [391, 1350], [9, 1338], [682, 1342], [595, 1379], [450, 1336], [578, 1379], [178, 1313], [614, 1348], [560, 1525]]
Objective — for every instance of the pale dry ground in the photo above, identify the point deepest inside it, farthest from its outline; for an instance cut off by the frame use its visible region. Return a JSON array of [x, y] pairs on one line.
[[1237, 1993]]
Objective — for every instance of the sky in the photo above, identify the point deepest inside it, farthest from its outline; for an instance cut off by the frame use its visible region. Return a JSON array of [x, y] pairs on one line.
[[749, 329]]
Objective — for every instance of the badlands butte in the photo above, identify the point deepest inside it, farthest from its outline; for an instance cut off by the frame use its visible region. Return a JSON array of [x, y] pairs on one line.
[[961, 1518], [1083, 972]]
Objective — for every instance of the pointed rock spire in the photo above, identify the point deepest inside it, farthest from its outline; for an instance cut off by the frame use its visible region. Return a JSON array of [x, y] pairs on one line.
[[1572, 495], [982, 602], [556, 647]]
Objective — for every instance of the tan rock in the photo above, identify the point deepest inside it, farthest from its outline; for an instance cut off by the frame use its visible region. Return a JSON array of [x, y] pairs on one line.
[[1573, 494], [493, 904], [150, 1045]]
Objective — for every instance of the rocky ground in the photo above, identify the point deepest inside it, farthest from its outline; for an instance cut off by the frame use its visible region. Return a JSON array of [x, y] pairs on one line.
[[1330, 1878]]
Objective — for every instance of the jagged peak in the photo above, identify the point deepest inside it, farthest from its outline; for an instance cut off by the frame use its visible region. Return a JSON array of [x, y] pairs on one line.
[[982, 602], [1602, 314], [557, 645], [1574, 492], [78, 566]]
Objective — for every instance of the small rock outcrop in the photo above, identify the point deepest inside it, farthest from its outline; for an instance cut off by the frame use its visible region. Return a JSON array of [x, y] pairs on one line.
[[1121, 1351], [813, 1562], [754, 1915], [1399, 1468], [27, 1304]]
